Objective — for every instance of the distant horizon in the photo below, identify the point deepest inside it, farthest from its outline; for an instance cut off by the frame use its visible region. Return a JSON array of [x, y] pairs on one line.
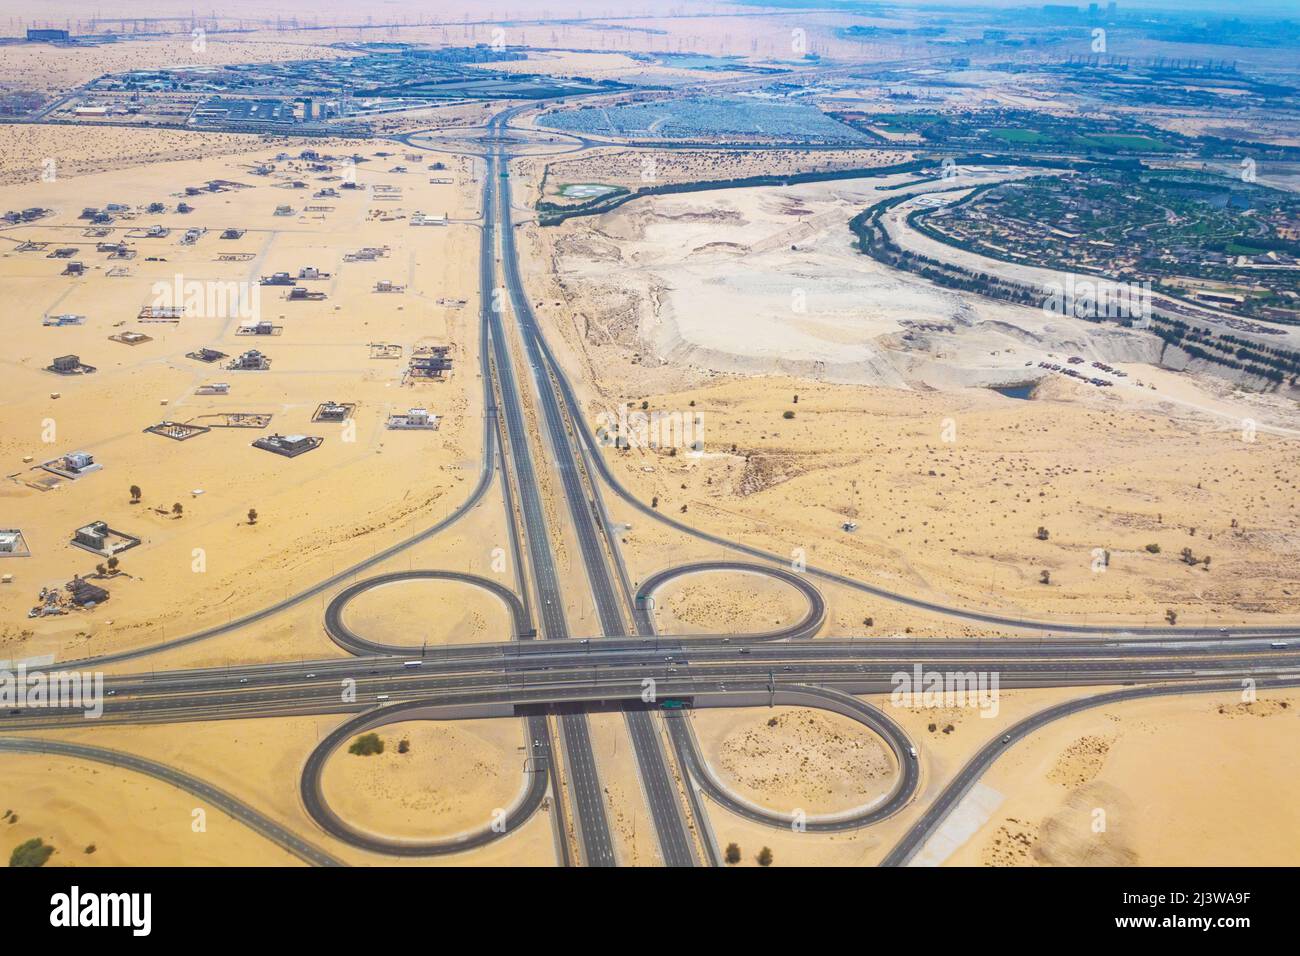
[[1263, 8]]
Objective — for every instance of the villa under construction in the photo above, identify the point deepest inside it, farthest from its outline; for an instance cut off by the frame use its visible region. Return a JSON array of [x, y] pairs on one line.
[[131, 338], [73, 465], [98, 538], [415, 418], [333, 411], [260, 327], [13, 544], [161, 313], [250, 361], [290, 446], [177, 431], [429, 363], [69, 365]]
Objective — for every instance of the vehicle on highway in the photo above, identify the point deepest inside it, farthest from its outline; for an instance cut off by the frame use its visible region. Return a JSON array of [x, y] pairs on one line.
[[381, 697], [413, 664], [911, 752], [1278, 645]]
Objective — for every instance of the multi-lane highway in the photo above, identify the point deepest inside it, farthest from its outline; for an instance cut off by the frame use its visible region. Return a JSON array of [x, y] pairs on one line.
[[514, 674], [671, 828], [587, 794], [558, 680]]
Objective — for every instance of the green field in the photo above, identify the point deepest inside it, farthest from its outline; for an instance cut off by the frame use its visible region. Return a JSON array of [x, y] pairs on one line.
[[1019, 135], [1118, 141]]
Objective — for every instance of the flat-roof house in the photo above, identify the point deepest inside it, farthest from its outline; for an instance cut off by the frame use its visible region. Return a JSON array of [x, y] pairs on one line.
[[288, 445]]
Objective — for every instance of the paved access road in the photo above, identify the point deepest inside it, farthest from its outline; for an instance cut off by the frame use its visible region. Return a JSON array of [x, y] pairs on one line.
[[241, 811], [966, 778]]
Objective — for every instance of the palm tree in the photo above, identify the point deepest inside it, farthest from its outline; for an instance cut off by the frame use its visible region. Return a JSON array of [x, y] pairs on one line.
[[135, 494], [252, 516], [177, 510]]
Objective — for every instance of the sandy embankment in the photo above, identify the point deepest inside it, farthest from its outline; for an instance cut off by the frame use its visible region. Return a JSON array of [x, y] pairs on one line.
[[957, 520], [128, 819], [787, 759], [25, 150], [724, 602], [457, 774], [453, 779], [412, 613], [1201, 780]]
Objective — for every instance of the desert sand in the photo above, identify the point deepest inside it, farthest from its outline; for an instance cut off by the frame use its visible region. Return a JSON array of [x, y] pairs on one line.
[[362, 489], [1172, 782], [905, 447], [455, 778], [794, 758]]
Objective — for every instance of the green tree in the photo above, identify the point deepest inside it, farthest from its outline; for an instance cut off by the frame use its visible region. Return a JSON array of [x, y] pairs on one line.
[[252, 516], [732, 854], [765, 857], [32, 853], [366, 745], [135, 494]]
